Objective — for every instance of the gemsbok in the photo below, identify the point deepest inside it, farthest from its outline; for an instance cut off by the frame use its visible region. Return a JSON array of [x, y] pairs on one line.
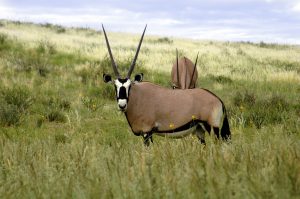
[[184, 73], [153, 109]]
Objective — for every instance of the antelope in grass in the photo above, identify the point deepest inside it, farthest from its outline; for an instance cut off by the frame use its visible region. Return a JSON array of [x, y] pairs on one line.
[[153, 109], [184, 73]]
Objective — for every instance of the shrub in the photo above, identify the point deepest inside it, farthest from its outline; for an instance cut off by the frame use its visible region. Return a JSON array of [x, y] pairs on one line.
[[14, 103], [17, 96], [9, 114], [60, 138], [56, 116]]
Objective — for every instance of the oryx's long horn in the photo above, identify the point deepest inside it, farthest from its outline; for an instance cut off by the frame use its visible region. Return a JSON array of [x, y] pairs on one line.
[[177, 67], [114, 65], [136, 54], [194, 70]]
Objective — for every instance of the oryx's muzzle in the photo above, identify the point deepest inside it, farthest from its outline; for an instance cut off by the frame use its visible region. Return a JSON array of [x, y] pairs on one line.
[[122, 104]]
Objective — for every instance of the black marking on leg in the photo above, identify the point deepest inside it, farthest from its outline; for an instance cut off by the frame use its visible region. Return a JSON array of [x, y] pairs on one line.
[[200, 130], [147, 138], [216, 131], [225, 130], [207, 127]]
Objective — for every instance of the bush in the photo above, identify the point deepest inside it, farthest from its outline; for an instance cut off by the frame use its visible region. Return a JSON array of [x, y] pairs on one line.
[[56, 116], [17, 96], [61, 138], [9, 114], [14, 103]]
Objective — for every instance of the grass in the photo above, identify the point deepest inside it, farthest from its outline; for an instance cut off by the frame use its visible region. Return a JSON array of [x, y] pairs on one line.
[[61, 135]]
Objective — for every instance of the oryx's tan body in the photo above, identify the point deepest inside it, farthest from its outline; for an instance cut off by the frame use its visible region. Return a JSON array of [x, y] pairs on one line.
[[154, 107], [182, 78], [150, 108]]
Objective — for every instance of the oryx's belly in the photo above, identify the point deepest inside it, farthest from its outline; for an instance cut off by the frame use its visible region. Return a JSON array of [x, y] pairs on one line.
[[177, 134]]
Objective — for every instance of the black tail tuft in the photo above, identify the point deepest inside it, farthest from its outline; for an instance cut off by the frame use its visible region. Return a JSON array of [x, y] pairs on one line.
[[225, 130]]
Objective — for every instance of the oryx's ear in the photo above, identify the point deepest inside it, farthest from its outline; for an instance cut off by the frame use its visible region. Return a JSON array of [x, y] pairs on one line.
[[107, 78], [138, 77]]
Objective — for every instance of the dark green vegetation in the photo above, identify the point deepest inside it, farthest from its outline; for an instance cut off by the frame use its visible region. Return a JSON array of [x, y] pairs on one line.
[[61, 135]]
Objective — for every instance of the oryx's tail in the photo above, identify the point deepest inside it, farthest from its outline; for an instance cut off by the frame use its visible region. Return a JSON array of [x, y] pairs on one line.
[[225, 130]]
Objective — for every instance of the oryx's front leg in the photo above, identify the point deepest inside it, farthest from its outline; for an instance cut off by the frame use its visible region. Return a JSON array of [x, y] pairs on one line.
[[147, 138]]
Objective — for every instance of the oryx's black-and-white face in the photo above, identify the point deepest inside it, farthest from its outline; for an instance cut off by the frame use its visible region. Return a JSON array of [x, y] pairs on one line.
[[122, 85], [122, 88]]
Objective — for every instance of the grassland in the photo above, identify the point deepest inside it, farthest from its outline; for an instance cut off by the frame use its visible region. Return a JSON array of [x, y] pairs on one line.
[[61, 135]]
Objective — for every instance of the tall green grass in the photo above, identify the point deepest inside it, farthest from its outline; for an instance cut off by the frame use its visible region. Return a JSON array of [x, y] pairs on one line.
[[61, 135]]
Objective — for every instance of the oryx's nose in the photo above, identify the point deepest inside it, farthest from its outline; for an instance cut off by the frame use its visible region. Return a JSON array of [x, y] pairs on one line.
[[122, 104], [122, 107]]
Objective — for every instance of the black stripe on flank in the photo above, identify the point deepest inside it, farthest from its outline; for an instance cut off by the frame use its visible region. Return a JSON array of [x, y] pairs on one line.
[[186, 126]]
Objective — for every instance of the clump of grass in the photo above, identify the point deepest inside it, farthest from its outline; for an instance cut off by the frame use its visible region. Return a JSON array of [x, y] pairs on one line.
[[56, 116], [90, 103], [37, 59], [263, 44], [220, 79], [90, 73], [53, 109], [58, 103], [261, 111], [61, 138], [286, 64], [9, 114], [4, 43], [163, 40], [244, 99], [43, 58], [240, 52], [57, 28], [14, 103]]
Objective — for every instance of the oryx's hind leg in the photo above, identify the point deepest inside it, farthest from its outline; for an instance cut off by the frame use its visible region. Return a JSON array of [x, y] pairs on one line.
[[147, 138], [217, 132], [215, 129], [200, 133]]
